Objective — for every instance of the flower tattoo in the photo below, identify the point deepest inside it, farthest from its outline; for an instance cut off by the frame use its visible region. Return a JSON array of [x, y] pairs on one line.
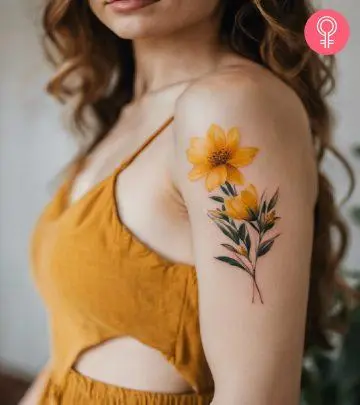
[[244, 217], [218, 157]]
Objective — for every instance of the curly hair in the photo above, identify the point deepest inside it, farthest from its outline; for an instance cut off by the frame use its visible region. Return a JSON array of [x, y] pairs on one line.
[[95, 69]]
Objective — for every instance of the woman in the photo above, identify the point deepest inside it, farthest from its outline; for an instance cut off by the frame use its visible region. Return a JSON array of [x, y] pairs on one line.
[[176, 258]]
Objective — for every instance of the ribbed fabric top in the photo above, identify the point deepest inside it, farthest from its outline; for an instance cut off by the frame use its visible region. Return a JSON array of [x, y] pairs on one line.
[[99, 281]]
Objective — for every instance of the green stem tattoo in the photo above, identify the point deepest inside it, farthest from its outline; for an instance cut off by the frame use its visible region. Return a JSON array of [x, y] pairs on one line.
[[238, 213]]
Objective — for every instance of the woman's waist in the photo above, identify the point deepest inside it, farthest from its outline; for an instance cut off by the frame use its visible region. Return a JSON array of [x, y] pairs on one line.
[[126, 362]]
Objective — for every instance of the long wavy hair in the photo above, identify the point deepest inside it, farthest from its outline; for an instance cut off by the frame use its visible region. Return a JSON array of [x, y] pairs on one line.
[[95, 70]]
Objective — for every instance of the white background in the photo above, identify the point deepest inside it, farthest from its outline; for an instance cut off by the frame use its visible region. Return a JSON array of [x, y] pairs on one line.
[[34, 146]]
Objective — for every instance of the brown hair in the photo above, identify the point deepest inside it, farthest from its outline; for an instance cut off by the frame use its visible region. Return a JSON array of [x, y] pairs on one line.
[[95, 68]]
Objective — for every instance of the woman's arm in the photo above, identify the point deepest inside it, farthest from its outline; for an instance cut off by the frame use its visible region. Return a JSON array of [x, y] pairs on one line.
[[252, 235], [34, 393]]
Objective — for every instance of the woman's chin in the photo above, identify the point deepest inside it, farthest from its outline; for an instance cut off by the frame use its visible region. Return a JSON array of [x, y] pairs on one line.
[[134, 25], [133, 34], [136, 31]]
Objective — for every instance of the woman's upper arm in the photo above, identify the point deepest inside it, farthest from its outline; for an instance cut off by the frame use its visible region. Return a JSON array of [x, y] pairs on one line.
[[35, 392], [246, 170]]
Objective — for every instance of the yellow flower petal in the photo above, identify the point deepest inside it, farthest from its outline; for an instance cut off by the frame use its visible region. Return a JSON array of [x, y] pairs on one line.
[[234, 175], [229, 210], [215, 213], [198, 171], [253, 190], [243, 157], [198, 151], [197, 142], [235, 208], [270, 218], [238, 207], [216, 137], [242, 251], [216, 177], [232, 140], [218, 157], [250, 198], [196, 156]]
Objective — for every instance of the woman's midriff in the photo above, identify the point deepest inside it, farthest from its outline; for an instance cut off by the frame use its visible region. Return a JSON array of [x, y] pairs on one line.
[[126, 362]]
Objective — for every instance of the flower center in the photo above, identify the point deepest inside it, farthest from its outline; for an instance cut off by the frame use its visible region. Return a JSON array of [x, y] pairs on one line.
[[219, 157]]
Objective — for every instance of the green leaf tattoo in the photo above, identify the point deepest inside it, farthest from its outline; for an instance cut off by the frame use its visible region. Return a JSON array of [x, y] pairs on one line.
[[241, 216], [246, 220]]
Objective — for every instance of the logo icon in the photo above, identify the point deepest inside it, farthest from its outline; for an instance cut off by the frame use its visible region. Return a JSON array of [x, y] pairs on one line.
[[327, 26], [327, 32]]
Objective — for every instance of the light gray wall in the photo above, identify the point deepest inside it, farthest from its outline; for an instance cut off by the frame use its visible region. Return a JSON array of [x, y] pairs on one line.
[[33, 147], [346, 105]]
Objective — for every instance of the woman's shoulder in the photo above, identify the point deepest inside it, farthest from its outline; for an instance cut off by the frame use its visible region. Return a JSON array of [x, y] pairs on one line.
[[242, 85], [242, 92], [265, 111]]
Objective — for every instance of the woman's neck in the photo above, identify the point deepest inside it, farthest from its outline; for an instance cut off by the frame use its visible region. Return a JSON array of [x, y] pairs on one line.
[[175, 58]]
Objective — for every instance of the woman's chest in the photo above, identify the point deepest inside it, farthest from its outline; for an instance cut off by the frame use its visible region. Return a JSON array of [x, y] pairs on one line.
[[144, 195]]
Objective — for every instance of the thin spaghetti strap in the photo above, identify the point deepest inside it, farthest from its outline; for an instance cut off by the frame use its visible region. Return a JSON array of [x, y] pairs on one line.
[[80, 162], [132, 157]]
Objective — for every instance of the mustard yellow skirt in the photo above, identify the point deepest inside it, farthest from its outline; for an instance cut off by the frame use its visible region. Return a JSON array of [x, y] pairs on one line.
[[80, 390]]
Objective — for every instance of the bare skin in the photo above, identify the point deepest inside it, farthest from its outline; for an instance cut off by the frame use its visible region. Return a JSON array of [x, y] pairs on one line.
[[34, 393], [168, 85]]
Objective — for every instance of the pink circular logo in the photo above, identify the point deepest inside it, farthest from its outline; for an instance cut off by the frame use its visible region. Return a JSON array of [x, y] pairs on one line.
[[327, 32]]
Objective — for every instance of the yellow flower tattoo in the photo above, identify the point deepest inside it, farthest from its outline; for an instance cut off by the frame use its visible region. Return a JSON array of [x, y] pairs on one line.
[[244, 217], [218, 157], [244, 206]]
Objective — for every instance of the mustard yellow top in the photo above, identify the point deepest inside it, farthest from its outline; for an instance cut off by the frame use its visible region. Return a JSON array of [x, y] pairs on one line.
[[100, 282]]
